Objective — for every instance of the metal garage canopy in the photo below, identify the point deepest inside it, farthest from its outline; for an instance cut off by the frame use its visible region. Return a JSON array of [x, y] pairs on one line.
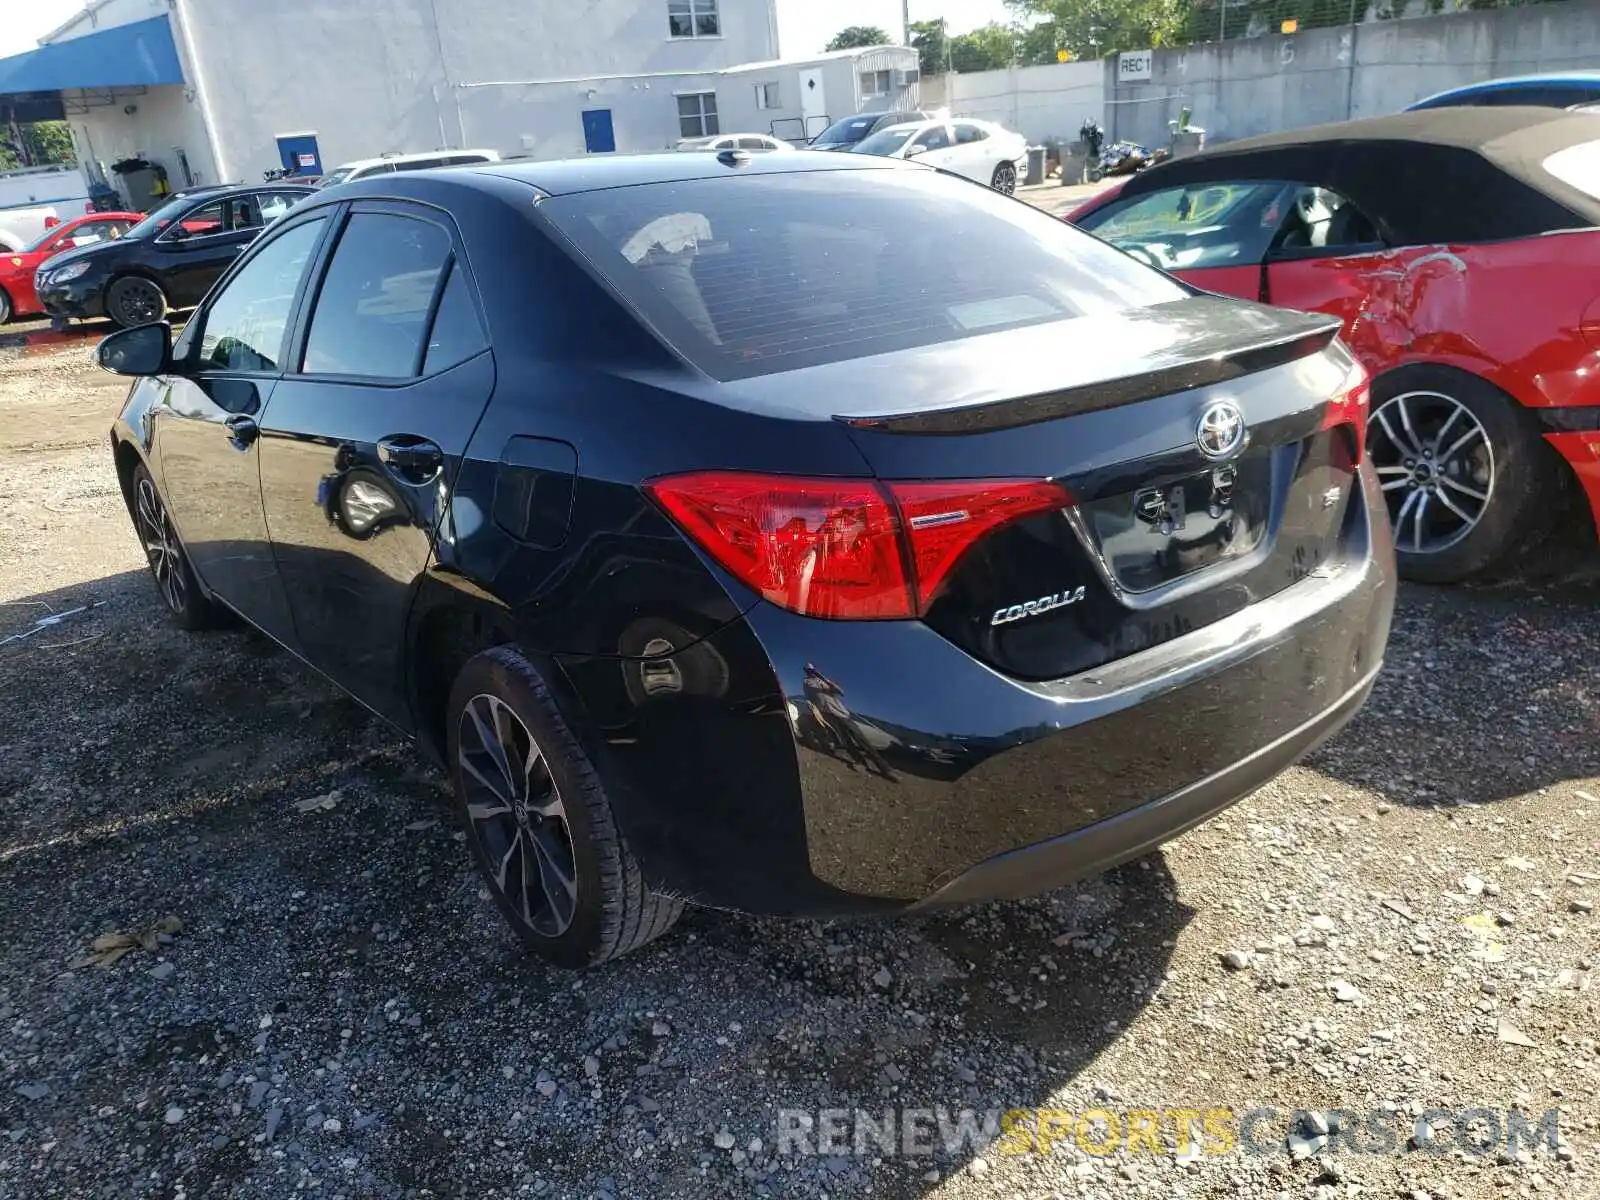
[[140, 54]]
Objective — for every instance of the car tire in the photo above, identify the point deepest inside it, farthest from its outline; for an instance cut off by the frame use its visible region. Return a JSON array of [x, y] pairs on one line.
[[1004, 179], [169, 564], [132, 299], [6, 309], [1464, 470], [539, 821]]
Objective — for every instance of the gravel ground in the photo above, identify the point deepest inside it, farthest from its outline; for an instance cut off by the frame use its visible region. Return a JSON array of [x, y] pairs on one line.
[[316, 997]]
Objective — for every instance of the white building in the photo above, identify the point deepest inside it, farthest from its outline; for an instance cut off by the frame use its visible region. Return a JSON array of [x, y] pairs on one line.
[[222, 90]]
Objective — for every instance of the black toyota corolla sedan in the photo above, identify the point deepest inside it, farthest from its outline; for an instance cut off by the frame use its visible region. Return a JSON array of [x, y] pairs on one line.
[[169, 260], [808, 535]]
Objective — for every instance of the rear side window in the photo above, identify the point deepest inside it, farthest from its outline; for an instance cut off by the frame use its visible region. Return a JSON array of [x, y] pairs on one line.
[[1202, 225], [456, 335], [1577, 166], [747, 275], [372, 309]]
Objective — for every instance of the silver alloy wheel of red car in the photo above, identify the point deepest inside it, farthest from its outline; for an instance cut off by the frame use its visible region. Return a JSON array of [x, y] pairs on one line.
[[1436, 465]]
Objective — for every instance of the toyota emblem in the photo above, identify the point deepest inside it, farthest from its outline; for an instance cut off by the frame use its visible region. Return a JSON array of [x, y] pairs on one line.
[[1221, 431]]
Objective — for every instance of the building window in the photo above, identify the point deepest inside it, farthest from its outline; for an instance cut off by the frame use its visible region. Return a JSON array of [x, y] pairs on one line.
[[693, 18], [697, 114], [876, 83], [767, 95]]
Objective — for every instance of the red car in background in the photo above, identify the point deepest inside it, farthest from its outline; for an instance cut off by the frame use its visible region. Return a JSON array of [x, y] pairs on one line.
[[17, 297], [1461, 248]]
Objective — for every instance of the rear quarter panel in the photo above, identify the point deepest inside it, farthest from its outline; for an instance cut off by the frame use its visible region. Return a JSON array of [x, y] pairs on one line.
[[1512, 312]]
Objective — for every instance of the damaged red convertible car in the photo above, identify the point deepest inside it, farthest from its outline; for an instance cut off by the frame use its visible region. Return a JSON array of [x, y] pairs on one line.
[[1461, 248]]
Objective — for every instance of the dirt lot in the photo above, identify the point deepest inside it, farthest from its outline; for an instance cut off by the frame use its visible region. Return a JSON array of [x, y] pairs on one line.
[[335, 1009]]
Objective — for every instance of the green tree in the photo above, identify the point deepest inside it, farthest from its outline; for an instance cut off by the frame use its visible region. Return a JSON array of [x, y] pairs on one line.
[[932, 46], [985, 49], [858, 35], [1095, 28], [49, 142], [1039, 44]]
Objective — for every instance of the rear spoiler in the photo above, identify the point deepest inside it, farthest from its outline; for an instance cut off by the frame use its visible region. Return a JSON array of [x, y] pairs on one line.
[[1202, 371]]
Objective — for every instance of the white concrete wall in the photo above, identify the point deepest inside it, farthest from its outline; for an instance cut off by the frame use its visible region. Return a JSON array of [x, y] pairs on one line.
[[1038, 102], [1265, 84], [1259, 85]]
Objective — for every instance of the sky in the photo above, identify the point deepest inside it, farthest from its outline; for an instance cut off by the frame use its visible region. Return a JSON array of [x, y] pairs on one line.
[[804, 26], [26, 22]]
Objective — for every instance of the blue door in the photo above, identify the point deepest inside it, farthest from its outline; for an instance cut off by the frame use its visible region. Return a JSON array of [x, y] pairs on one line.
[[598, 136], [298, 153]]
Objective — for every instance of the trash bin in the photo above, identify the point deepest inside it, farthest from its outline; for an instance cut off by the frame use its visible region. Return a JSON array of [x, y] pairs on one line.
[[1035, 166], [1074, 162]]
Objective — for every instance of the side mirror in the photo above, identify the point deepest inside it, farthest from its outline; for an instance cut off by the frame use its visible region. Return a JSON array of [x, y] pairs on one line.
[[67, 244], [142, 350], [178, 232], [913, 151]]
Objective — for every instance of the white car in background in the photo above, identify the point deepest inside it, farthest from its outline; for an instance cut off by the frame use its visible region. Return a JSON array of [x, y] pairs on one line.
[[980, 150], [759, 143], [364, 167]]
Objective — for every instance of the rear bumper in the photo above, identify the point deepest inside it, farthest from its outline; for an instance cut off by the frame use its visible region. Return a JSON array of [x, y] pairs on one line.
[[805, 767], [1101, 846]]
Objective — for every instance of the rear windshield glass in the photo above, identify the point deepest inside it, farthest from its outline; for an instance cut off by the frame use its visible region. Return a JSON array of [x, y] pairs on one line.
[[851, 129], [747, 275], [1577, 166]]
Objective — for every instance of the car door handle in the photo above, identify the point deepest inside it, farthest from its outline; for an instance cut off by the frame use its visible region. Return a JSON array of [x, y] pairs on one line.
[[411, 459], [242, 431]]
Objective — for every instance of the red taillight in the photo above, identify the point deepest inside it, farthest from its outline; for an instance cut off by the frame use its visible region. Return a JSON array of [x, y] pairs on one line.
[[1349, 406], [942, 519], [844, 549]]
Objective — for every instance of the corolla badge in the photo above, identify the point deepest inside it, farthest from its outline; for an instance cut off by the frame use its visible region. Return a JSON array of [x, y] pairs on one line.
[[1221, 430], [1032, 608]]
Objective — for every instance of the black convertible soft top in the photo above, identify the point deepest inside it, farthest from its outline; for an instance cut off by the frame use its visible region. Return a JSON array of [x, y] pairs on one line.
[[1436, 175]]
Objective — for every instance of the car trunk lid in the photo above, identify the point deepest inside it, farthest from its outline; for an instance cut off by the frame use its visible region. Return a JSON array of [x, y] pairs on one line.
[[1205, 448]]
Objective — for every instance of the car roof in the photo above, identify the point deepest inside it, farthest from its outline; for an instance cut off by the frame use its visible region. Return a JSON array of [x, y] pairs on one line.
[[222, 191], [421, 155], [563, 177], [1513, 83], [1434, 175]]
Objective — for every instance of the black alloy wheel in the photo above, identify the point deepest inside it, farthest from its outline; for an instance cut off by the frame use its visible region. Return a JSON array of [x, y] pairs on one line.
[[169, 564], [135, 300], [539, 820], [1005, 179], [517, 815]]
